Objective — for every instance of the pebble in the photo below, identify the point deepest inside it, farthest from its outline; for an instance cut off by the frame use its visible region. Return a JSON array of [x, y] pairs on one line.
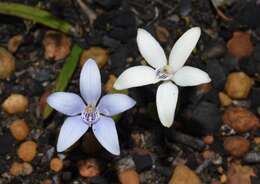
[[15, 103], [208, 139], [19, 129], [184, 175], [257, 140], [14, 43], [7, 63], [208, 154], [89, 168], [162, 34], [129, 176], [21, 169], [108, 87], [224, 99], [56, 164], [57, 46], [236, 145], [47, 181], [100, 55], [238, 85], [206, 117], [240, 45], [239, 174], [223, 178], [240, 119], [27, 151], [252, 157]]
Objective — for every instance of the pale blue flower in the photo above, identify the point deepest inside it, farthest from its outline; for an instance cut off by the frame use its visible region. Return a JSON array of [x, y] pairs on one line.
[[85, 113]]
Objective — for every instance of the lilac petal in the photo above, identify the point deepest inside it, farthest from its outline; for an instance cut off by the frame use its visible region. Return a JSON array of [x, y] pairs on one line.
[[90, 82], [66, 103], [72, 129], [113, 104], [106, 134]]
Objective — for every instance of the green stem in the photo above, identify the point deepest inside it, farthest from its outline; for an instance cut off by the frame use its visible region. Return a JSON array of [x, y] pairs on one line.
[[65, 75]]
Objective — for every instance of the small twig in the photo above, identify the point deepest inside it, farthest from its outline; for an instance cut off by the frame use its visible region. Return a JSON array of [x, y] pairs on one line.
[[186, 139], [216, 160], [156, 10], [219, 12], [203, 165], [87, 11]]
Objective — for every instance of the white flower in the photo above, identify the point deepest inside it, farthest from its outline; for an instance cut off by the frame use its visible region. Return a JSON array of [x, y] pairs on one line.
[[84, 115], [161, 70]]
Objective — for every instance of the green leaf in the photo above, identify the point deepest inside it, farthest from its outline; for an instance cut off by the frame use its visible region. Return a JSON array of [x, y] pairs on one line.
[[36, 15], [65, 75]]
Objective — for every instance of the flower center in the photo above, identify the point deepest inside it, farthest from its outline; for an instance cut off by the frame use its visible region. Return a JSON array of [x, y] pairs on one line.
[[90, 115], [164, 73]]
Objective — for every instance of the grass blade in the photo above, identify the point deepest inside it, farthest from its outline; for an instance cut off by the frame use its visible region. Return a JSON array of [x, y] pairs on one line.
[[65, 75], [36, 15]]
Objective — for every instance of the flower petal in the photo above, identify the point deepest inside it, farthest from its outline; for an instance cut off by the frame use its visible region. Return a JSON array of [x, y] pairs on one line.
[[136, 76], [183, 48], [106, 134], [190, 76], [66, 103], [166, 100], [72, 129], [90, 82], [113, 104], [150, 49]]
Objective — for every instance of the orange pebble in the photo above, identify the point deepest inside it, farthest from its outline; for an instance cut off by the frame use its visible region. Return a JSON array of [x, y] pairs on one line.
[[27, 151], [89, 168], [56, 164], [19, 129]]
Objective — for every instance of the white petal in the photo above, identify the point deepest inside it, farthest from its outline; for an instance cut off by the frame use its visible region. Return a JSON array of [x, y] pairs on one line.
[[150, 49], [136, 76], [190, 76], [183, 48], [166, 100], [72, 129], [90, 82], [113, 104], [66, 103], [106, 134]]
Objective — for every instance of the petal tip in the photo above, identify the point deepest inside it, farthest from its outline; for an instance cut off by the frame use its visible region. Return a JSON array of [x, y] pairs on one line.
[[117, 152], [140, 31], [167, 124], [196, 31], [59, 148], [117, 85]]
